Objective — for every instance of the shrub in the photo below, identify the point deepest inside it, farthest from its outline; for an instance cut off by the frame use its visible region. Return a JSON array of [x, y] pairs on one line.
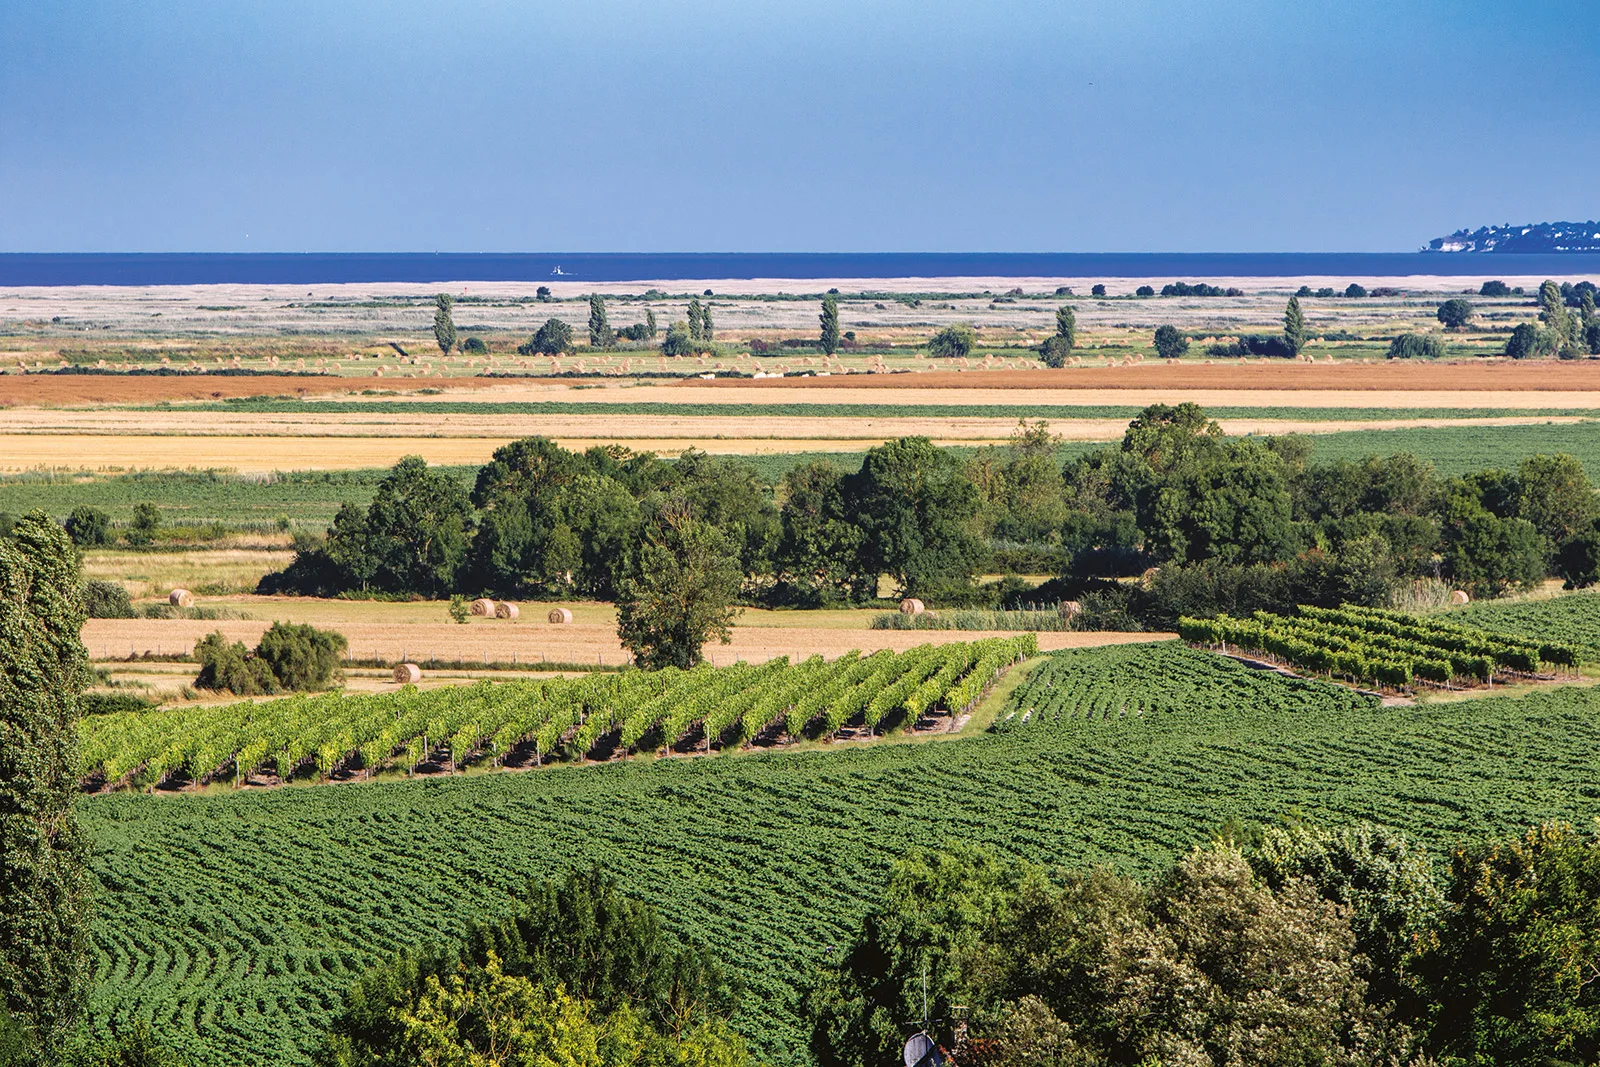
[[1055, 351], [1528, 341], [231, 668], [146, 521], [111, 704], [953, 342], [107, 600], [474, 346], [677, 342], [1495, 288], [1266, 344], [1415, 346], [1144, 290], [88, 526], [1355, 291], [1098, 290], [301, 656], [1170, 342]]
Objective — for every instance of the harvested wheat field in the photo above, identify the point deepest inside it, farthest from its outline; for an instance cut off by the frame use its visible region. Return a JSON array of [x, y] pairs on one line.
[[534, 643], [51, 389]]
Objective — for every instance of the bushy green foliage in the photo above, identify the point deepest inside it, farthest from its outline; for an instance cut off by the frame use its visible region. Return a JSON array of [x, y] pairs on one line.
[[953, 342], [578, 949], [107, 600], [1455, 313], [228, 666], [146, 521], [88, 526], [1494, 288], [300, 656], [444, 326], [828, 339], [679, 341], [475, 346], [678, 595], [554, 338], [1170, 342], [1527, 341], [1415, 346], [43, 671], [600, 332]]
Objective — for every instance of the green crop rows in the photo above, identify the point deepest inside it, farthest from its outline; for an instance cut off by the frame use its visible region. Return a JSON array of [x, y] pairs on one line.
[[710, 707], [233, 922], [1376, 646], [1573, 620]]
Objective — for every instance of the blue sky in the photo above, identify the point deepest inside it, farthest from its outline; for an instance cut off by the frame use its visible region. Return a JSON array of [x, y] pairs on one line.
[[806, 125]]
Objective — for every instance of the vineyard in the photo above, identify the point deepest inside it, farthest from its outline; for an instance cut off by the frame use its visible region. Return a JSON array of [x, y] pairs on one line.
[[1572, 620], [596, 715], [1150, 683], [1374, 646], [233, 922]]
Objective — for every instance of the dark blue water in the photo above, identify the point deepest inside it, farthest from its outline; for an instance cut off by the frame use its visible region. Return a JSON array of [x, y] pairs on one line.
[[188, 268]]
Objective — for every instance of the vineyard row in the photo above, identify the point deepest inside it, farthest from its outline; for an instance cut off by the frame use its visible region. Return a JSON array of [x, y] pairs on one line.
[[596, 716]]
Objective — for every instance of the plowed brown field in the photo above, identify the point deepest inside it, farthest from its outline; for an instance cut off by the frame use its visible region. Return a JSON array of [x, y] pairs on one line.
[[48, 389]]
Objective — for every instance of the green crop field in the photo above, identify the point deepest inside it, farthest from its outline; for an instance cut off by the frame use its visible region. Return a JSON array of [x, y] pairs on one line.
[[234, 921], [1573, 619], [1462, 449], [1064, 412]]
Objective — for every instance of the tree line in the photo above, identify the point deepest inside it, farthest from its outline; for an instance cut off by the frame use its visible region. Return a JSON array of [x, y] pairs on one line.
[[1295, 945], [1208, 523]]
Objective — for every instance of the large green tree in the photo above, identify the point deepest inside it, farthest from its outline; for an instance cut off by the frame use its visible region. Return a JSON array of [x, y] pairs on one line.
[[828, 339], [417, 529], [1058, 347], [915, 508], [679, 591], [43, 671], [1294, 327], [444, 326], [819, 548]]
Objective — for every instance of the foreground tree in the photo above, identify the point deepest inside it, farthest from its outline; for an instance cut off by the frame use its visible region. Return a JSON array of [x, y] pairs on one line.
[[444, 326], [1294, 327], [43, 671], [678, 593], [828, 339]]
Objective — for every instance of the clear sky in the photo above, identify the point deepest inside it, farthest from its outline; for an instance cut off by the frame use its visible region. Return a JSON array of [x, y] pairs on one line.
[[802, 125]]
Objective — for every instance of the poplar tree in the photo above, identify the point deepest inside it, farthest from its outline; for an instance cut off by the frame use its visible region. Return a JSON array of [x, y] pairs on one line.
[[650, 322], [697, 326], [1056, 350], [444, 326], [830, 325], [705, 324], [600, 335], [1294, 326], [43, 670]]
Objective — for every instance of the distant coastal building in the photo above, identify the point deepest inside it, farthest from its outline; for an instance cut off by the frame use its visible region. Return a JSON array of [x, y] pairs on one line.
[[1534, 237]]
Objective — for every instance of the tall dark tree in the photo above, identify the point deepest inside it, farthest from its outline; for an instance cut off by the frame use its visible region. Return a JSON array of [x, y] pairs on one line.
[[819, 549], [915, 507], [679, 592], [444, 326], [88, 526], [43, 671], [697, 321], [1058, 347], [650, 323], [600, 332], [417, 529], [1294, 327], [829, 337]]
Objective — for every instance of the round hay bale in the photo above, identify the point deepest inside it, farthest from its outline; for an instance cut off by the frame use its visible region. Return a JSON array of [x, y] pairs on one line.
[[483, 606], [560, 616], [407, 674], [1071, 609], [912, 606], [181, 598], [505, 611], [1459, 596]]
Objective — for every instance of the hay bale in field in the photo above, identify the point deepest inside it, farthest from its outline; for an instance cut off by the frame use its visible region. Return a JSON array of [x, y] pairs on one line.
[[1070, 609], [181, 598], [483, 606], [506, 611], [560, 616], [912, 606], [407, 674], [1459, 596]]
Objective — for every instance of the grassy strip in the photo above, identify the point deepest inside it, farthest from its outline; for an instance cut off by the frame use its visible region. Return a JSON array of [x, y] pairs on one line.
[[283, 406]]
